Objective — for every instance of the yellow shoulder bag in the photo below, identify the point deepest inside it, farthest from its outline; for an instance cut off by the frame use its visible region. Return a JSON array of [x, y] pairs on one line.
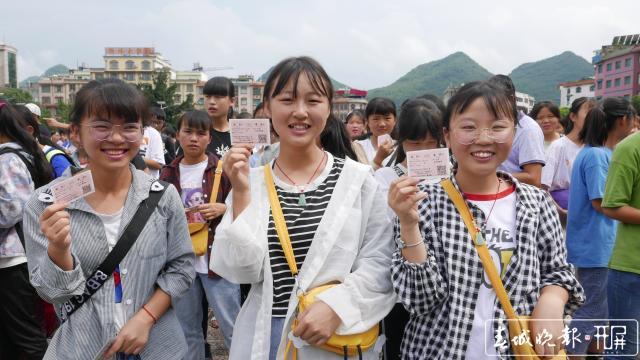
[[517, 324], [346, 345], [200, 231]]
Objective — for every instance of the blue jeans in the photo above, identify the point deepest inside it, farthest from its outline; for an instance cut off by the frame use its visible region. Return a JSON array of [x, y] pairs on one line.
[[624, 303], [594, 283], [277, 325], [223, 297]]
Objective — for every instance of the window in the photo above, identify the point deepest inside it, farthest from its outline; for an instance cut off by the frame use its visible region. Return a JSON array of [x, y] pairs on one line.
[[72, 87], [616, 82], [592, 88], [129, 76], [113, 65], [608, 84], [257, 92], [189, 87], [145, 76], [243, 90], [130, 65], [177, 98], [599, 68], [627, 80], [99, 76], [46, 100], [609, 67], [146, 65], [243, 101], [628, 62], [578, 90], [568, 90], [45, 88], [618, 64], [58, 99], [114, 75], [58, 88]]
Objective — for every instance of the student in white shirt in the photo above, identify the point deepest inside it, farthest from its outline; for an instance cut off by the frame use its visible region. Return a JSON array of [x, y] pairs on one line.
[[152, 149], [381, 120], [336, 219]]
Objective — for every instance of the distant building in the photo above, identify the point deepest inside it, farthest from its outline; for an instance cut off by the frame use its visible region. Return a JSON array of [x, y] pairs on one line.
[[572, 90], [248, 93], [8, 66], [617, 67], [347, 100], [135, 65]]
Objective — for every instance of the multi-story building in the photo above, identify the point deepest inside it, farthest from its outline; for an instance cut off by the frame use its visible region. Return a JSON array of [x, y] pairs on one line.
[[248, 93], [132, 65], [8, 66], [572, 90], [347, 100], [617, 67], [524, 102]]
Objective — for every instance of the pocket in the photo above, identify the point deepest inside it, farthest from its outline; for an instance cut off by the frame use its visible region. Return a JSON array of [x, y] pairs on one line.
[[152, 241]]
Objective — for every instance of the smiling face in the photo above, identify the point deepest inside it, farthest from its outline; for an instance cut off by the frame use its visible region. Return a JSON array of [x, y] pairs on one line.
[[482, 157], [298, 120], [547, 121], [112, 152]]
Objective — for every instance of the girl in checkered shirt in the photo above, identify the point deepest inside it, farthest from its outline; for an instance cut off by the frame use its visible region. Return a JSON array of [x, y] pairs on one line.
[[436, 271]]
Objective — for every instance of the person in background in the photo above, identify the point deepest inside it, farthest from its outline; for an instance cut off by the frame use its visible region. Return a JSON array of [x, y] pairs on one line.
[[559, 157], [527, 157], [152, 147], [621, 202], [219, 97], [335, 140], [158, 121], [356, 124], [23, 169], [547, 115], [381, 120], [194, 172], [591, 234]]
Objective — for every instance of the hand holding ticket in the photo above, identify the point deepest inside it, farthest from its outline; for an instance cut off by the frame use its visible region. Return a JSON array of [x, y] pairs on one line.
[[250, 131], [73, 188], [431, 165]]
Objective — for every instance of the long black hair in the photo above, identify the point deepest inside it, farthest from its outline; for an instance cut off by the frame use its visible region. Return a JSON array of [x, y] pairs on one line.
[[291, 69], [576, 105], [601, 120], [13, 128], [418, 118], [494, 97], [335, 139]]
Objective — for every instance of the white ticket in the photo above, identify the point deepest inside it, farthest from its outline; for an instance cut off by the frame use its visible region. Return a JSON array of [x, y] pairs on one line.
[[73, 188], [384, 138], [429, 164], [250, 131]]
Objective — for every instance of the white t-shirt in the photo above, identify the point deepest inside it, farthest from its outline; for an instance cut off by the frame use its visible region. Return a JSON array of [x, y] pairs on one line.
[[556, 174], [111, 223], [192, 195], [152, 148], [370, 151], [500, 237]]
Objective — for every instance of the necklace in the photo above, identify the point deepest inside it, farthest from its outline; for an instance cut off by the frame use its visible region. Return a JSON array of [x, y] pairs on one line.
[[302, 201], [480, 230]]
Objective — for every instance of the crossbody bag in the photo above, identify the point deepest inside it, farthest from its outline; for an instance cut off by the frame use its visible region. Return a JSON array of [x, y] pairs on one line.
[[199, 232]]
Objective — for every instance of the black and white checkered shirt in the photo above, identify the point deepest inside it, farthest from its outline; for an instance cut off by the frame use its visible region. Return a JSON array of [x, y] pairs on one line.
[[441, 293]]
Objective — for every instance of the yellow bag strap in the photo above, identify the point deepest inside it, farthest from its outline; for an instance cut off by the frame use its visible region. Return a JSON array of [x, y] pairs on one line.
[[481, 247], [216, 183], [278, 219]]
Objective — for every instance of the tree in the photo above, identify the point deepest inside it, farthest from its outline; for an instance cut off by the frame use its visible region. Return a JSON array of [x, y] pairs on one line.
[[635, 100], [16, 96], [161, 92], [63, 111]]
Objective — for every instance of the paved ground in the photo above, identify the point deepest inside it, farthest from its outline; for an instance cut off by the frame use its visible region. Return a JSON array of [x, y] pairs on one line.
[[216, 343]]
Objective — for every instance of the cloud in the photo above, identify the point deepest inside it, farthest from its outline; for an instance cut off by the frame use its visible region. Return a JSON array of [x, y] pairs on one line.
[[364, 44]]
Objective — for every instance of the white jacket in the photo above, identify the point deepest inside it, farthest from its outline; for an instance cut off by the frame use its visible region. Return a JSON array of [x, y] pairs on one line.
[[352, 245]]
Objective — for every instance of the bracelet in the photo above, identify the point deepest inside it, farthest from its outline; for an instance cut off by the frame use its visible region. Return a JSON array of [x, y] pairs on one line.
[[414, 245], [155, 319]]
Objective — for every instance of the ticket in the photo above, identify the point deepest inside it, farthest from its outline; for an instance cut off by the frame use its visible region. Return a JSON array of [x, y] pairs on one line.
[[384, 138], [429, 164], [250, 131], [73, 188]]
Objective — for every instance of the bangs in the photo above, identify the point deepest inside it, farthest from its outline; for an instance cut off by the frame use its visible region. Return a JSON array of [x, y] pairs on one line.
[[493, 97], [110, 99], [418, 119], [195, 119], [380, 106], [289, 70], [219, 86]]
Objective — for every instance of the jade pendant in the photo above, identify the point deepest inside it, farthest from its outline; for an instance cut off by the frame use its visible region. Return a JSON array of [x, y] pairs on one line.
[[302, 201], [479, 238]]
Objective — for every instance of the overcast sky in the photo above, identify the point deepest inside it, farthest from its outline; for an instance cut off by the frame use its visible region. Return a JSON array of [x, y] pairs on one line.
[[365, 44]]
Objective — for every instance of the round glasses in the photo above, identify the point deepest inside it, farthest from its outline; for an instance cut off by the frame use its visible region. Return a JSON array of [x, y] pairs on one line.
[[102, 130], [469, 135]]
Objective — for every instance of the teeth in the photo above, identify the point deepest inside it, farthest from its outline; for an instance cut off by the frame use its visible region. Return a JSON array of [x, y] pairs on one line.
[[299, 126], [482, 154], [115, 152]]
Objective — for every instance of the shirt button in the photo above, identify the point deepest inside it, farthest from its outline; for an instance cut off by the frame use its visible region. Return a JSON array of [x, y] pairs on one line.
[[124, 271], [128, 302]]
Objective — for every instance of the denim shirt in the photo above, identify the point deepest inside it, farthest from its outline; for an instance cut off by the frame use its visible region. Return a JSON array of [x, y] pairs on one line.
[[162, 257]]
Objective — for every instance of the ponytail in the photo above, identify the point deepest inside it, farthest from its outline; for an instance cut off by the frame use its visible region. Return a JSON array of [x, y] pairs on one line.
[[576, 105], [601, 120]]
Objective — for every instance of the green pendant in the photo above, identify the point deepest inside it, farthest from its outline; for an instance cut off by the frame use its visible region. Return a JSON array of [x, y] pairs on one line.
[[479, 238], [302, 201]]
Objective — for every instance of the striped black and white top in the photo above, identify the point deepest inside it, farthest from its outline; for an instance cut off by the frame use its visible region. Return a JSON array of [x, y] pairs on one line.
[[302, 222]]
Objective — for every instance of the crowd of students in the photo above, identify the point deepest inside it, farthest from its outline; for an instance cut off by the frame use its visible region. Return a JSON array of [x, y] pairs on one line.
[[326, 209]]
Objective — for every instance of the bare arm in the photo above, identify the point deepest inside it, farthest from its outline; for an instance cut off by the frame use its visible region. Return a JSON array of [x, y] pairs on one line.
[[625, 214], [531, 174]]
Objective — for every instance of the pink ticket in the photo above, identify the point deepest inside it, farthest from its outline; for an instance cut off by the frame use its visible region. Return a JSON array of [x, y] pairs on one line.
[[250, 131]]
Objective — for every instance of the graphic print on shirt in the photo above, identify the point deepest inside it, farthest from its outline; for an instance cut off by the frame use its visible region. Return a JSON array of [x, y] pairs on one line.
[[221, 150], [144, 145], [501, 245], [192, 196]]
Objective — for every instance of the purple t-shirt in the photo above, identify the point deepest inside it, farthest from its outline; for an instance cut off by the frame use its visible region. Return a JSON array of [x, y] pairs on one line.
[[528, 146]]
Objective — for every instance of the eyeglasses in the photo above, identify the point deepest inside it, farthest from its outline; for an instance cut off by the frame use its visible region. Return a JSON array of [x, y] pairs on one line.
[[468, 135], [102, 130]]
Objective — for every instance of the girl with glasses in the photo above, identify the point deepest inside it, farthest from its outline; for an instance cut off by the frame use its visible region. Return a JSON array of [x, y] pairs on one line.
[[131, 313], [436, 271]]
